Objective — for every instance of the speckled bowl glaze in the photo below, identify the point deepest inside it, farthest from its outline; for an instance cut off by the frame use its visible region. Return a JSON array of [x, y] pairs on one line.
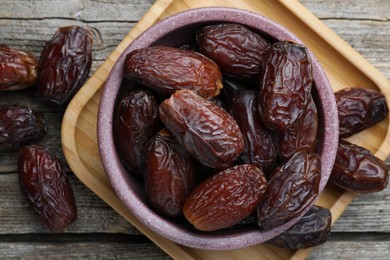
[[174, 31]]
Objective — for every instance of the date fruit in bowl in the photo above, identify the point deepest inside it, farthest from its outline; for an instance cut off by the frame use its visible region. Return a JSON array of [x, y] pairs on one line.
[[201, 134]]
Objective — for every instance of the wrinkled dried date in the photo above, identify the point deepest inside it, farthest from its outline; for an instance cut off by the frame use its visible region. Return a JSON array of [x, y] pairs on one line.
[[359, 108], [237, 50], [64, 64], [136, 120], [286, 85], [260, 143], [17, 69], [206, 130], [357, 169], [311, 230], [291, 190], [19, 125], [170, 174], [46, 186], [226, 198], [300, 135], [167, 69]]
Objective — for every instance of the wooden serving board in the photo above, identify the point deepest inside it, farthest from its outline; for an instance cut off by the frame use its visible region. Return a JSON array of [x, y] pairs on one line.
[[344, 68]]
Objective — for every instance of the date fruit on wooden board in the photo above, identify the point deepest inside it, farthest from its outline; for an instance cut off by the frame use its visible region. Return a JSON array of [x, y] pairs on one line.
[[359, 108], [357, 169], [311, 230]]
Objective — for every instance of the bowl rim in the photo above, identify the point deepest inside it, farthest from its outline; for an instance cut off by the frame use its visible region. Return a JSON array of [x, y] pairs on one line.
[[117, 174]]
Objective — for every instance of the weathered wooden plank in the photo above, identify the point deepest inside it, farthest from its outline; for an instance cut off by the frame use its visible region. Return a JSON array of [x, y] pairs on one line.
[[84, 250], [82, 10], [94, 215], [349, 10], [352, 250]]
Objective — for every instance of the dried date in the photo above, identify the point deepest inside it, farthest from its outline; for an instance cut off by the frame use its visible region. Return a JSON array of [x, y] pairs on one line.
[[136, 120], [167, 69], [205, 129], [170, 174], [46, 186], [237, 50], [357, 169], [311, 230], [17, 68], [300, 135], [286, 85], [19, 125], [291, 190], [359, 108], [260, 143], [226, 198], [64, 64]]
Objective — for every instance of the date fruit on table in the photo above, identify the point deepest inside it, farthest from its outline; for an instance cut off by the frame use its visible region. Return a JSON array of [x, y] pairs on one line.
[[46, 186], [20, 125], [64, 64], [18, 69]]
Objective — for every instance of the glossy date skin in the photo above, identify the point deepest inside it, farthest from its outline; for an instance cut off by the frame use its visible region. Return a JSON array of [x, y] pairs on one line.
[[261, 145], [357, 169], [312, 229], [64, 64], [226, 198], [300, 135], [291, 190], [205, 129], [237, 50], [136, 120], [170, 174], [46, 186], [20, 125], [17, 68], [286, 85], [359, 108], [167, 69]]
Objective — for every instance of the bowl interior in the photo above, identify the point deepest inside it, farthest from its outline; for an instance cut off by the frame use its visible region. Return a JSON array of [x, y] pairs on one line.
[[175, 31]]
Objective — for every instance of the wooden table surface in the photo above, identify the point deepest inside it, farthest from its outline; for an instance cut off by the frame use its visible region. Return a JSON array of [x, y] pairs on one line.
[[363, 231]]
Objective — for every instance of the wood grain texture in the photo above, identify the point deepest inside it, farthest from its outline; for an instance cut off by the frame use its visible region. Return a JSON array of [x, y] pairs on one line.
[[28, 24]]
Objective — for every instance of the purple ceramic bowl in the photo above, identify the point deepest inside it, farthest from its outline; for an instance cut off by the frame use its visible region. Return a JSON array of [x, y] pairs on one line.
[[174, 31]]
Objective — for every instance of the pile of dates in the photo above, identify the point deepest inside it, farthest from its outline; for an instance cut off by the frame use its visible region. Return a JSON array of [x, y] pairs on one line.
[[224, 132], [59, 73]]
